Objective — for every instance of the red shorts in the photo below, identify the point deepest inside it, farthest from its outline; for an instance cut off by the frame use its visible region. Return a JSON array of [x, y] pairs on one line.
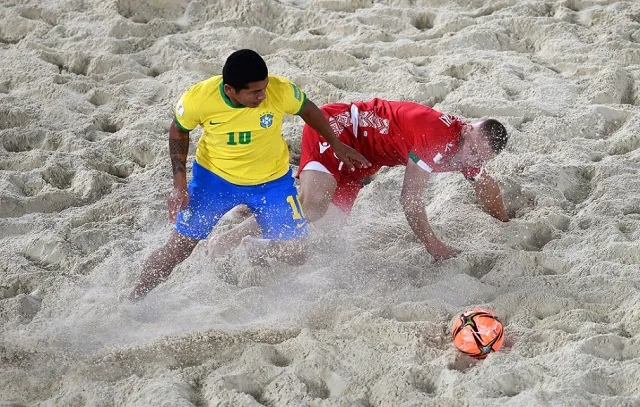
[[315, 148]]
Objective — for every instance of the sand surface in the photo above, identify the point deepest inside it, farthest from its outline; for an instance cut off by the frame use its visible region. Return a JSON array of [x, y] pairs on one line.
[[86, 93]]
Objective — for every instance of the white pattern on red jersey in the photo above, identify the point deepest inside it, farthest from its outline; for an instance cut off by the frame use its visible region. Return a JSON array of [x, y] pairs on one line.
[[340, 122], [388, 134], [369, 118]]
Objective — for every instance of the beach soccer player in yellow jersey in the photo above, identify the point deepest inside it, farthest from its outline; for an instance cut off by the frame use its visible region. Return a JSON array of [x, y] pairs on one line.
[[241, 159]]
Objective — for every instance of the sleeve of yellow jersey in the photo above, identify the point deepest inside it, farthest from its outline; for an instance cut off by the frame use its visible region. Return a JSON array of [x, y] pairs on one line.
[[186, 112], [294, 97]]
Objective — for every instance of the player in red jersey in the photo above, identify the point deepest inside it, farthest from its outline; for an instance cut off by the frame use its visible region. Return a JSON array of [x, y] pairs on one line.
[[391, 133]]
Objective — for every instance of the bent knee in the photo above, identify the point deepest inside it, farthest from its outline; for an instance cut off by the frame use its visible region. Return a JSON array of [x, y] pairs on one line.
[[314, 210]]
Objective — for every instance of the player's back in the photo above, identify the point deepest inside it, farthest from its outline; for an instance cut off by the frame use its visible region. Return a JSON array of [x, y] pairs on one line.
[[387, 129]]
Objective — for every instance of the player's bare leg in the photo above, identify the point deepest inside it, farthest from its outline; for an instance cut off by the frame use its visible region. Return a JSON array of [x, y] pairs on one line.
[[221, 244], [161, 263], [294, 252], [316, 191]]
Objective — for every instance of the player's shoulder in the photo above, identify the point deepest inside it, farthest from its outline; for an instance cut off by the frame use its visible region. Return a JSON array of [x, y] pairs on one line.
[[277, 80], [282, 90], [427, 111], [437, 118], [280, 84], [205, 88]]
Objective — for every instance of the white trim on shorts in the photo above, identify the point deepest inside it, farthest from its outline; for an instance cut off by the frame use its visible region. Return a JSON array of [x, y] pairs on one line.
[[316, 166]]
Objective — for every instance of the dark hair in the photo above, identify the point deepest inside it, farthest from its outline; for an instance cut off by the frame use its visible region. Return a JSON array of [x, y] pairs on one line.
[[496, 133], [242, 67]]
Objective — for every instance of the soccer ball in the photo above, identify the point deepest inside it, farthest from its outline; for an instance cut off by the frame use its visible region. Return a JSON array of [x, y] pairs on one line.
[[477, 332]]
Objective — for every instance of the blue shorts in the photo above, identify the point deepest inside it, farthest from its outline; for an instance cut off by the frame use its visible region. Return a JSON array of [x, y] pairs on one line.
[[274, 204]]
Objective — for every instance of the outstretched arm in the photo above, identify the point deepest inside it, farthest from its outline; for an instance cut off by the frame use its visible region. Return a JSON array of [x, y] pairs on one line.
[[316, 119], [488, 191], [415, 180]]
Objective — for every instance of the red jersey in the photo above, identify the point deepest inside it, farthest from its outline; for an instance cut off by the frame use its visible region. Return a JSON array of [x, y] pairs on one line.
[[387, 134]]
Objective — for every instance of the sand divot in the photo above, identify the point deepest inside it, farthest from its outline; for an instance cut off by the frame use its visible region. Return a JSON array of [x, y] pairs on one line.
[[144, 11], [610, 347], [20, 309], [12, 116], [35, 13]]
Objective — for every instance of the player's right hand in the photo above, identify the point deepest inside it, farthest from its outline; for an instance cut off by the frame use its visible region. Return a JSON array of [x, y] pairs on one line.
[[350, 157], [178, 200]]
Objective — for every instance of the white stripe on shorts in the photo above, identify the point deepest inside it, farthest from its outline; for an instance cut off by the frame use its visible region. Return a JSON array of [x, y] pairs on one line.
[[316, 166]]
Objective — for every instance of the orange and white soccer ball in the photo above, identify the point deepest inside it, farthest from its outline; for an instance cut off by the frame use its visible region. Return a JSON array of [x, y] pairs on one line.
[[477, 332]]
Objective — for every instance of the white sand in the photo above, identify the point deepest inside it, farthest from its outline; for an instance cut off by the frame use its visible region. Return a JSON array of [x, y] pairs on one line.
[[86, 92]]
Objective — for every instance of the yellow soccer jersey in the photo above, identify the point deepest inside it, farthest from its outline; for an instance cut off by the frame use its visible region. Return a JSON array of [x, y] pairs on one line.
[[243, 145]]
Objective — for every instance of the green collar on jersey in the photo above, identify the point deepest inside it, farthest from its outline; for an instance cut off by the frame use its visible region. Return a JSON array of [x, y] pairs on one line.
[[226, 98]]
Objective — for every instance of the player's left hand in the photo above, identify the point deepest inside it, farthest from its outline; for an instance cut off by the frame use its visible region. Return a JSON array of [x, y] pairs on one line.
[[350, 157], [440, 251]]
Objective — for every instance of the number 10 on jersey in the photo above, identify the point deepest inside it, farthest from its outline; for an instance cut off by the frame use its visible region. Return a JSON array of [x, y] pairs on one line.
[[243, 137]]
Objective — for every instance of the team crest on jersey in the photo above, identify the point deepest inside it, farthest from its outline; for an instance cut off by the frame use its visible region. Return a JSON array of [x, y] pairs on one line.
[[266, 120]]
